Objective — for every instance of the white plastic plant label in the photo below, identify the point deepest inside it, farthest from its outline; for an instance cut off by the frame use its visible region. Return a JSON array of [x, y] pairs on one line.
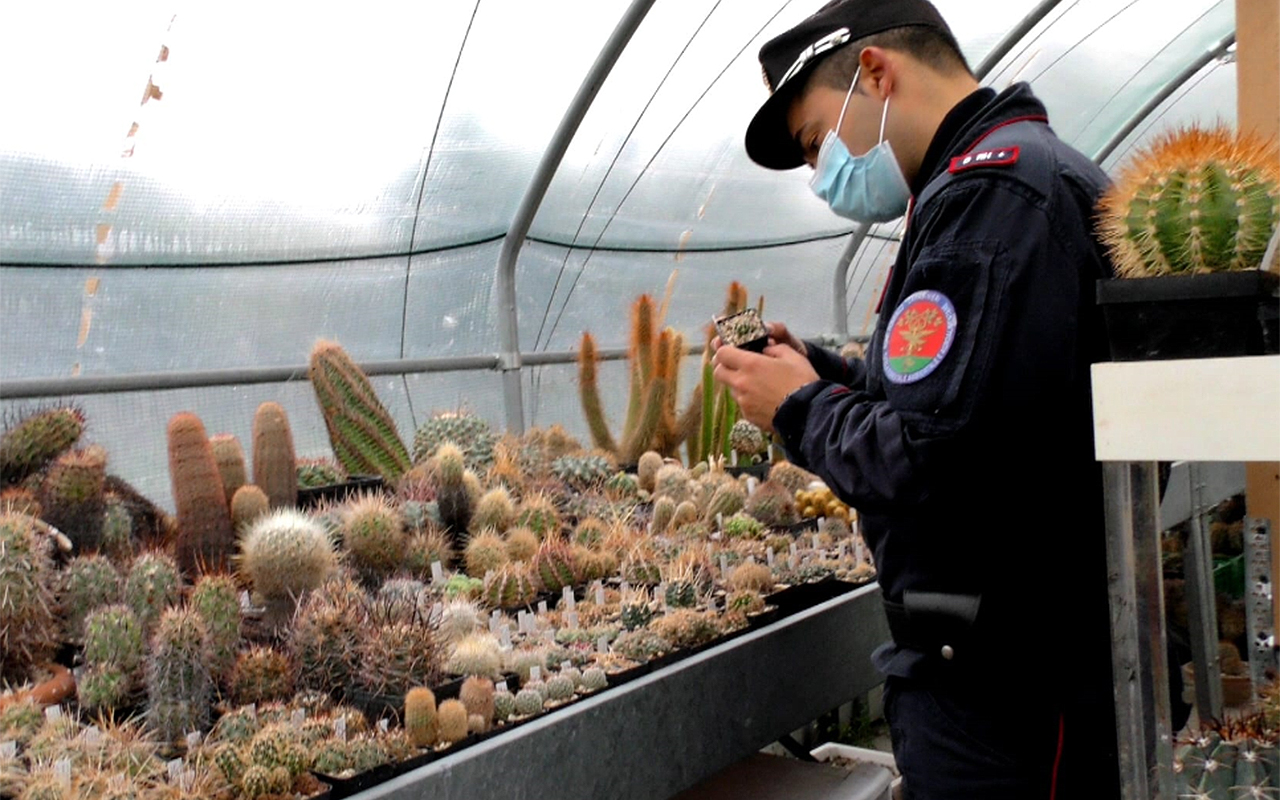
[[542, 606], [822, 524], [566, 665], [245, 603], [843, 550], [769, 556], [504, 636], [571, 620], [53, 713], [187, 779], [602, 644], [252, 708], [437, 572], [599, 593], [118, 782], [501, 687], [793, 562], [382, 725], [340, 728], [8, 749], [624, 587], [535, 673], [794, 549], [719, 521], [724, 564], [570, 602], [92, 735], [859, 551], [62, 771], [193, 740], [174, 768], [752, 483], [299, 716]]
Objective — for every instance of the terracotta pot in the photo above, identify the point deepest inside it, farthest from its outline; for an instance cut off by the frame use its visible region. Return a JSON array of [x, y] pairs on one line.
[[51, 692]]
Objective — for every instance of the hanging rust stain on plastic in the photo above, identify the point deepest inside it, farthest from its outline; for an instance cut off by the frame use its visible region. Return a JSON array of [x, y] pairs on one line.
[[86, 321], [164, 54], [702, 209], [152, 92], [684, 240], [91, 286], [113, 197]]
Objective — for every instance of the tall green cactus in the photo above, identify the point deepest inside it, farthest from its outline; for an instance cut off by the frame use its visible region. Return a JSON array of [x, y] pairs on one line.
[[362, 433], [205, 536], [71, 495], [1199, 200], [179, 686], [37, 439], [275, 467], [29, 630]]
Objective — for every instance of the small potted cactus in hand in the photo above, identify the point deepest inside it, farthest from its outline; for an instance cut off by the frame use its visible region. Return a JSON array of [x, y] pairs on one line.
[[1188, 224], [743, 329]]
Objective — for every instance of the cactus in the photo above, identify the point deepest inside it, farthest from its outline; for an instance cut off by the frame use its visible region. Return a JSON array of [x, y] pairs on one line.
[[590, 532], [504, 706], [117, 530], [594, 679], [522, 544], [640, 646], [622, 487], [559, 689], [727, 500], [641, 570], [315, 472], [229, 456], [424, 548], [397, 656], [179, 686], [509, 587], [374, 537], [476, 654], [152, 586], [528, 703], [664, 511], [686, 513], [469, 433], [455, 499], [86, 583], [748, 442], [72, 496], [494, 511], [790, 476], [248, 504], [205, 535], [477, 695], [687, 628], [215, 598], [584, 471], [285, 554], [420, 716], [261, 675], [362, 433], [553, 567], [458, 619], [484, 554], [743, 526], [672, 480], [325, 636], [275, 467], [37, 439], [748, 576], [236, 727], [538, 513], [647, 470], [1197, 200], [773, 504], [452, 717], [113, 654]]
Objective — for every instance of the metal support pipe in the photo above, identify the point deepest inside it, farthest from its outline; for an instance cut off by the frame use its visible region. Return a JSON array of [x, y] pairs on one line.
[[509, 360], [18, 388], [841, 289], [1137, 630], [1202, 617], [1217, 51], [1011, 39]]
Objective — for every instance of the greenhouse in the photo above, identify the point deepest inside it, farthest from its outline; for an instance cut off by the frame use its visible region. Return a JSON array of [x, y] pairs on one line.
[[379, 416]]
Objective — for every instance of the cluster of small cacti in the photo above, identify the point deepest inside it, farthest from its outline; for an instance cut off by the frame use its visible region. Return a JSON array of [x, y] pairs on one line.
[[1238, 759], [469, 433]]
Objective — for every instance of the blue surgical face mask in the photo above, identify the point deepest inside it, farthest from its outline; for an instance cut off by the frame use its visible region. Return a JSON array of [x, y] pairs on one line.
[[867, 188]]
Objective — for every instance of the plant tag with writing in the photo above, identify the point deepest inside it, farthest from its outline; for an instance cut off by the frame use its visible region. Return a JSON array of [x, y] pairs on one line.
[[437, 572]]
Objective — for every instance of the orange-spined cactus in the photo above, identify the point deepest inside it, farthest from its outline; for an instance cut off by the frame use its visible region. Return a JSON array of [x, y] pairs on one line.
[[205, 536]]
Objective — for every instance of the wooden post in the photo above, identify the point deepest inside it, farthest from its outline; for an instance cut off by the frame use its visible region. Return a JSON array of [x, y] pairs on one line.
[[1258, 111]]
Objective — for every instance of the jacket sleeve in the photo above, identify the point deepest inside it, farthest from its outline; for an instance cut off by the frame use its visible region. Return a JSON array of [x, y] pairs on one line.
[[990, 248], [831, 366]]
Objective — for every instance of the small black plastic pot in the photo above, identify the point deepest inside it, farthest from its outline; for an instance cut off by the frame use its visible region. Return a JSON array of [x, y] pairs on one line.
[[1218, 315], [337, 492]]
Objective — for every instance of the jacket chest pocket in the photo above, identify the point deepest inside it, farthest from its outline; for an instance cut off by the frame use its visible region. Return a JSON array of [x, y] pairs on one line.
[[934, 350]]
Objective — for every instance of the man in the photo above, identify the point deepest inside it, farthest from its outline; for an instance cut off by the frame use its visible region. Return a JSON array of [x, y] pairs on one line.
[[964, 438]]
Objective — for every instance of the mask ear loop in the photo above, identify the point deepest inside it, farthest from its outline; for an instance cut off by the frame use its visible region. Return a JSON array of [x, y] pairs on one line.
[[884, 115], [852, 85]]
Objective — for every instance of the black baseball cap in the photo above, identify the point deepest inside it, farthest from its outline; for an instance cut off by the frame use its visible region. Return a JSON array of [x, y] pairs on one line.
[[788, 58]]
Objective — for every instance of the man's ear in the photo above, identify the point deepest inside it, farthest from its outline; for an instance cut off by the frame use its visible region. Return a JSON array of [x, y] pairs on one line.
[[878, 71]]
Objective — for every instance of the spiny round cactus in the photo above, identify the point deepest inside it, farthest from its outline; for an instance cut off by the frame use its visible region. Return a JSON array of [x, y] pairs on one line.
[[256, 782], [286, 554], [590, 532], [528, 703], [452, 718], [477, 695], [686, 513], [672, 480], [773, 504], [747, 441], [559, 688], [727, 500], [485, 552], [685, 627], [178, 682], [664, 511], [647, 470], [236, 726], [103, 688], [373, 535], [397, 656], [469, 433], [424, 548], [751, 576], [261, 674], [553, 566], [248, 504], [316, 472], [504, 706], [636, 611], [790, 476], [745, 601], [325, 635], [622, 486], [86, 583], [743, 526], [1197, 200], [494, 511], [641, 570], [403, 599], [585, 470], [152, 585], [476, 654], [230, 764], [509, 587], [522, 544], [594, 679], [458, 619], [218, 603], [539, 514], [640, 646], [114, 637], [37, 439]]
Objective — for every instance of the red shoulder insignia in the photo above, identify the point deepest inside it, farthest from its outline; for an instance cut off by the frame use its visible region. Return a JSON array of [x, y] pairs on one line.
[[1002, 157]]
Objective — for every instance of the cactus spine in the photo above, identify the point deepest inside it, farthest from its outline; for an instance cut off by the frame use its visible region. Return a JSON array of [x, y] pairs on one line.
[[275, 467], [205, 537], [229, 456], [179, 686], [362, 433], [36, 440], [1198, 200]]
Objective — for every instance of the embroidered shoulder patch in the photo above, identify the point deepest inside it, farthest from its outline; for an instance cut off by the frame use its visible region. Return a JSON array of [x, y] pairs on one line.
[[986, 158], [920, 333]]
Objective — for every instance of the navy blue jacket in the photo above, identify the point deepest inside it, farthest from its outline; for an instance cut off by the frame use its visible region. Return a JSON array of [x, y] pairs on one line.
[[967, 448]]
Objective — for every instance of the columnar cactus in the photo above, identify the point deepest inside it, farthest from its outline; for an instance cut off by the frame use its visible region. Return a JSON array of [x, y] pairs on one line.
[[727, 500], [26, 597], [86, 583], [362, 433], [373, 535], [275, 467], [457, 488], [179, 687], [71, 496], [647, 470], [113, 653], [229, 456], [325, 636], [420, 716], [37, 439], [117, 530], [477, 695], [452, 717], [664, 511], [1198, 200], [247, 505], [205, 536], [152, 586]]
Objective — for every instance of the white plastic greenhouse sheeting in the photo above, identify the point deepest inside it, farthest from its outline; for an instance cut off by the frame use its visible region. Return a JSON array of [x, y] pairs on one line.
[[314, 171]]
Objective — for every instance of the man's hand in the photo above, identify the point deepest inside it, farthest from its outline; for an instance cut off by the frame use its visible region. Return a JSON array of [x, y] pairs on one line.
[[778, 334], [760, 382]]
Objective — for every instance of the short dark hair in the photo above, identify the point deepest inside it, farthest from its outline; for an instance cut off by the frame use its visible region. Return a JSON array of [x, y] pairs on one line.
[[934, 48]]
